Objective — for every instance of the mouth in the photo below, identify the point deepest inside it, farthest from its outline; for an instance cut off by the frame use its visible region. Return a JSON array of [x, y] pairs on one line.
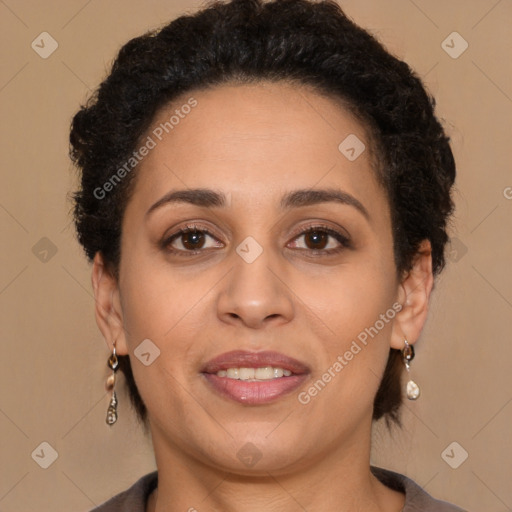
[[254, 378]]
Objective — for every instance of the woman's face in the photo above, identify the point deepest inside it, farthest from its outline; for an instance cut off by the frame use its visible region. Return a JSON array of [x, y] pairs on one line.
[[251, 279]]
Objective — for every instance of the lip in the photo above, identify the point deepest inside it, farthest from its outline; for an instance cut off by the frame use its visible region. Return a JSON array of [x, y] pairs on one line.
[[254, 393]]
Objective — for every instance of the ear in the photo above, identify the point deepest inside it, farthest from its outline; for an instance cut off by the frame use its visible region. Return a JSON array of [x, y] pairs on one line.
[[414, 295], [109, 316]]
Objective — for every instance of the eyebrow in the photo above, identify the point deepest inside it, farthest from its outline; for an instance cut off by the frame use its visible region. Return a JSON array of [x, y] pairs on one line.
[[209, 198]]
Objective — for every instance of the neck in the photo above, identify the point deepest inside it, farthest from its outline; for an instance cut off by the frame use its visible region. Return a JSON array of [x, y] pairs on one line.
[[339, 480]]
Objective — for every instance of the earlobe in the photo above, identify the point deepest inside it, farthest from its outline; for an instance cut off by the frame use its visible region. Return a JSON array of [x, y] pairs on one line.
[[107, 305], [414, 295]]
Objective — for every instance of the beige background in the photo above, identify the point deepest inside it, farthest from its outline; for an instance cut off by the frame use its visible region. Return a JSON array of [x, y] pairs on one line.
[[53, 362]]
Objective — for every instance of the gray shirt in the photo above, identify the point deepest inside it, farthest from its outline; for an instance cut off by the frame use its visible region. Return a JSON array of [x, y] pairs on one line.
[[416, 499]]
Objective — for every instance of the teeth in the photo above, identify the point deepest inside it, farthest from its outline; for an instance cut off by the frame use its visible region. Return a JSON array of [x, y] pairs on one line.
[[278, 372], [232, 373], [246, 373], [254, 374]]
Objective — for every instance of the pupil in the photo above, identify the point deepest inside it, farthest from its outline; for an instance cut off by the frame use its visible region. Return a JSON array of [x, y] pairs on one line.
[[318, 237], [193, 239]]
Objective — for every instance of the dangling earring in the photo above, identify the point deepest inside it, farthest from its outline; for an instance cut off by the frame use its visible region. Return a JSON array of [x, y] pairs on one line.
[[412, 389], [113, 364]]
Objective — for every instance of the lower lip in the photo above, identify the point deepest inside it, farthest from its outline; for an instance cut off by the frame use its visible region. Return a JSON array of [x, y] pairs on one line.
[[254, 393]]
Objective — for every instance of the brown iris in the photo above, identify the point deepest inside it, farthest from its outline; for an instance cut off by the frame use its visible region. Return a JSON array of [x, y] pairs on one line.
[[317, 238], [193, 238]]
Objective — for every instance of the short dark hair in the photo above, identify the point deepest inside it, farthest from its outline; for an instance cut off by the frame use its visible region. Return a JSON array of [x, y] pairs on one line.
[[244, 41]]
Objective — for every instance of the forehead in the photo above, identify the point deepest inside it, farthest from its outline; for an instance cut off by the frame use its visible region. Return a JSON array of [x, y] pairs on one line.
[[252, 140]]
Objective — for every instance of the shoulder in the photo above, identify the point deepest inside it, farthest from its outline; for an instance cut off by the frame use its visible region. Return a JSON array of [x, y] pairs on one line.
[[416, 499], [133, 499]]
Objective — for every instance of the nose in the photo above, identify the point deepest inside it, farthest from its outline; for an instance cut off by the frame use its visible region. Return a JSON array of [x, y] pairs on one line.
[[255, 294]]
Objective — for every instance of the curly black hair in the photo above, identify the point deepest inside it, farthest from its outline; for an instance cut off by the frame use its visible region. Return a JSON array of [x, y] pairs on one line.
[[246, 41]]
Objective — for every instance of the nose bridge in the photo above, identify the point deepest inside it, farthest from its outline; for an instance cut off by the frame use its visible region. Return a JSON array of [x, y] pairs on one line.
[[255, 293]]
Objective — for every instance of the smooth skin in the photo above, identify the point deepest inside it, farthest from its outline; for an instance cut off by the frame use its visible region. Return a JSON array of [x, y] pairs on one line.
[[196, 298]]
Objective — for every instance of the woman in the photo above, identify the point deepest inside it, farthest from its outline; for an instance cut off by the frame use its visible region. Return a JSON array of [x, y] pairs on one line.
[[264, 198]]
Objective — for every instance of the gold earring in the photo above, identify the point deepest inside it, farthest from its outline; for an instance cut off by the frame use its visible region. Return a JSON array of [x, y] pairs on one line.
[[412, 389], [113, 364]]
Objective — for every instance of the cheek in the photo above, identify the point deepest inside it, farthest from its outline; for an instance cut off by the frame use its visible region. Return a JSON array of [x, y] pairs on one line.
[[355, 329], [353, 317], [162, 310], [346, 302], [168, 309], [157, 301]]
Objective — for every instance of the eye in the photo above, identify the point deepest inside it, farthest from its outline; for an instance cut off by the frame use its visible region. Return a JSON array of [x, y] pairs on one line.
[[316, 239], [190, 240]]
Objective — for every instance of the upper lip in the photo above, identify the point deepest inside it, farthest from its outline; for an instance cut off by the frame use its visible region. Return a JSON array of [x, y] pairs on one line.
[[246, 359]]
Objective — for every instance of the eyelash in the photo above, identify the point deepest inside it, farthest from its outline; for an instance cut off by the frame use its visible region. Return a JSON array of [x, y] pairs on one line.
[[342, 239]]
